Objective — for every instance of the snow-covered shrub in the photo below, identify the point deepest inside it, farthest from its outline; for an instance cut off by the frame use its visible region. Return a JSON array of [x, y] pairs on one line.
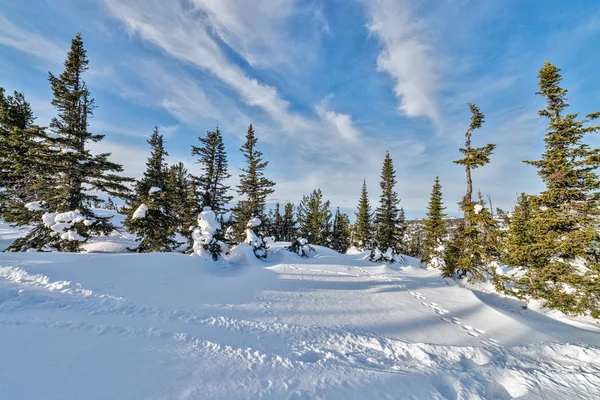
[[258, 245], [390, 255], [301, 247], [206, 236]]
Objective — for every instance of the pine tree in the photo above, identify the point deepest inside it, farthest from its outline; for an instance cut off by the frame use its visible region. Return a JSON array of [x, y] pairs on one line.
[[278, 222], [473, 246], [401, 228], [177, 189], [434, 226], [79, 175], [314, 218], [253, 185], [554, 236], [213, 161], [363, 228], [386, 215], [340, 237], [288, 223], [156, 227], [110, 204]]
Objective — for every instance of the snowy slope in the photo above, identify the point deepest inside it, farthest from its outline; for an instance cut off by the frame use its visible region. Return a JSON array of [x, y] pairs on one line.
[[126, 326]]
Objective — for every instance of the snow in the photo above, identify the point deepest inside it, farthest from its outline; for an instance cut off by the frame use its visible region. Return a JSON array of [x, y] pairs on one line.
[[35, 206], [331, 326], [478, 208], [254, 222], [154, 189], [141, 212], [61, 224], [203, 235]]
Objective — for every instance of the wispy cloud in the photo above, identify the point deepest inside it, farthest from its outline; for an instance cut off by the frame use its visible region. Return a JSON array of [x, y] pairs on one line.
[[30, 42], [406, 56]]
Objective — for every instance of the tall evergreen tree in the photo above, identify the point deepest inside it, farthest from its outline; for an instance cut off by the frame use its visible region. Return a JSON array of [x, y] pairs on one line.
[[177, 189], [150, 213], [401, 228], [340, 236], [434, 226], [474, 244], [213, 160], [254, 186], [554, 236], [314, 218], [386, 215], [363, 227], [79, 175]]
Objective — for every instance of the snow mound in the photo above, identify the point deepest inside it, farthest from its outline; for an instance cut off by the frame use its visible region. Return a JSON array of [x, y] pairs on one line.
[[61, 224], [141, 212]]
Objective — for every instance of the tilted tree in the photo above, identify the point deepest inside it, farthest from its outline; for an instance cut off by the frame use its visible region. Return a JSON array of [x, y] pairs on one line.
[[149, 214], [212, 158], [386, 216], [314, 218], [80, 176], [559, 250], [254, 187], [471, 249], [363, 227], [434, 225]]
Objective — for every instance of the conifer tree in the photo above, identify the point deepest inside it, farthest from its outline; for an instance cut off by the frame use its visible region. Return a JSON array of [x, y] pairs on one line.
[[554, 236], [401, 228], [386, 215], [110, 204], [177, 190], [254, 186], [314, 218], [79, 175], [213, 161], [473, 246], [150, 214], [340, 237], [363, 227], [434, 226], [289, 230], [278, 221]]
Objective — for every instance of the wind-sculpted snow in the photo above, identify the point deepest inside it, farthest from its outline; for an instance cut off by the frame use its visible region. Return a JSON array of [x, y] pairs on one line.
[[331, 326]]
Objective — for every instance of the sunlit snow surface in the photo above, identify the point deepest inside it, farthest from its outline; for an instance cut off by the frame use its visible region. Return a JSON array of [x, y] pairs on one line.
[[331, 326]]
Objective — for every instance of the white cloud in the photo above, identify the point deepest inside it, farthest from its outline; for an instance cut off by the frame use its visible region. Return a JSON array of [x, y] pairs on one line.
[[30, 42], [406, 56]]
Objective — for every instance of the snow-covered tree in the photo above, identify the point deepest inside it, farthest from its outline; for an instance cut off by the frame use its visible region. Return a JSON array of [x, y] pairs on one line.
[[301, 247], [386, 216], [207, 236], [553, 237], [78, 175], [149, 214], [258, 244]]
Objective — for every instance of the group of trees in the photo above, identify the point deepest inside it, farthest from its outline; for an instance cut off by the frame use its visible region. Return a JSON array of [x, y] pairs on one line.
[[50, 181]]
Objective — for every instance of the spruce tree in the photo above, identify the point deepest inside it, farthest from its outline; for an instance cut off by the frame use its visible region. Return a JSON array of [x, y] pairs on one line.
[[340, 237], [386, 215], [401, 228], [434, 225], [278, 222], [212, 158], [314, 218], [79, 175], [474, 244], [150, 214], [363, 228], [177, 189], [254, 186], [554, 236], [288, 223]]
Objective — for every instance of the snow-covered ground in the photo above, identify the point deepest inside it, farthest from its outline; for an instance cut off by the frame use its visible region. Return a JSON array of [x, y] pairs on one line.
[[331, 326]]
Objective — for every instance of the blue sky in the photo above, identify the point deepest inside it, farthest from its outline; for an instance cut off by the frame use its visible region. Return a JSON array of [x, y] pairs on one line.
[[329, 85]]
